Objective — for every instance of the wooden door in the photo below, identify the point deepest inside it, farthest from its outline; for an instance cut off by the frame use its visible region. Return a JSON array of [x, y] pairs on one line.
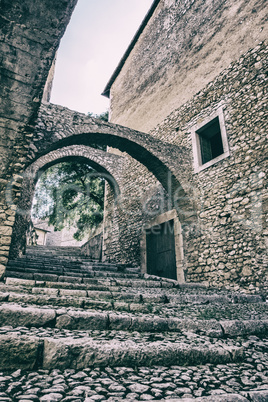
[[160, 244]]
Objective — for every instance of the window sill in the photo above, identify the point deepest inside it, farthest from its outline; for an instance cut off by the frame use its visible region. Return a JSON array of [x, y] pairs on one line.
[[198, 169]]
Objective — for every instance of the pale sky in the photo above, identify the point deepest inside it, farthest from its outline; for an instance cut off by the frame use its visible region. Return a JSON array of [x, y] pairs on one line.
[[94, 42]]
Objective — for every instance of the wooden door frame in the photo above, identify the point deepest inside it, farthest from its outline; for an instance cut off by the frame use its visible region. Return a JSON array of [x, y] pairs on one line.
[[167, 216]]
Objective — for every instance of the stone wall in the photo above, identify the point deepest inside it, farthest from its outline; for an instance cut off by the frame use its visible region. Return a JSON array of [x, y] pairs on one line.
[[233, 200], [30, 34], [142, 198], [228, 249], [54, 239], [184, 46], [93, 247]]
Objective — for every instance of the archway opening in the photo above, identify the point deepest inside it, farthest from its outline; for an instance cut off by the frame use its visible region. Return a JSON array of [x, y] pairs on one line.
[[68, 204], [62, 202], [154, 154]]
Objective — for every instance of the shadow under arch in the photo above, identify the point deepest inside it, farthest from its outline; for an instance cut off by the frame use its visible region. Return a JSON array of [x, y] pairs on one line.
[[101, 172], [31, 176], [179, 199]]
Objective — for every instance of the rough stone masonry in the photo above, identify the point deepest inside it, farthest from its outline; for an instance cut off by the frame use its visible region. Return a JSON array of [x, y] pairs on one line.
[[30, 35], [221, 206]]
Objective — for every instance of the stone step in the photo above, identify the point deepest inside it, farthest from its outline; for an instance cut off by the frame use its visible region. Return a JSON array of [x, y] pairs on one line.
[[66, 318], [58, 249], [76, 302], [25, 266], [51, 254], [143, 290], [217, 311], [107, 295], [59, 353], [45, 264], [57, 349], [28, 273], [88, 298], [121, 281], [50, 264], [70, 258]]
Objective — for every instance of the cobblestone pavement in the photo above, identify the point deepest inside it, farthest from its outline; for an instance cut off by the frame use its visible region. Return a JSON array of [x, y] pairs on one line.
[[140, 383]]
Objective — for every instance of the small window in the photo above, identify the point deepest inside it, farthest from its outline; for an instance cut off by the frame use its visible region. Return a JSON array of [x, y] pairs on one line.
[[209, 140]]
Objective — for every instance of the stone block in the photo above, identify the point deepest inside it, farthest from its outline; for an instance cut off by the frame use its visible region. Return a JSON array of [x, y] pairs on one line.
[[45, 277], [119, 322], [6, 230], [3, 296], [19, 352], [93, 294], [256, 327], [82, 320], [5, 240], [259, 396], [86, 352], [233, 328], [2, 271], [73, 292], [154, 298], [95, 304], [3, 259], [15, 315], [208, 327], [45, 291], [149, 324], [20, 282], [70, 279]]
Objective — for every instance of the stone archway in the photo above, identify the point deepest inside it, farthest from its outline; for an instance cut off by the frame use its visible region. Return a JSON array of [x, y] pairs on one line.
[[58, 127], [107, 165]]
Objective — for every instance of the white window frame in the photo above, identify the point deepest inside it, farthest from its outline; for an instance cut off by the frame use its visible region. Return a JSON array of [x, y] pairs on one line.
[[198, 166]]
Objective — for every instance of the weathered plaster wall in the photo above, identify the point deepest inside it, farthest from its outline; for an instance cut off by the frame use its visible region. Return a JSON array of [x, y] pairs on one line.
[[185, 45], [29, 36]]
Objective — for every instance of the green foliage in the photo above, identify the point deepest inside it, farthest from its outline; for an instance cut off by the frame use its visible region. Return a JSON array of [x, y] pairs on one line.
[[104, 116], [70, 194]]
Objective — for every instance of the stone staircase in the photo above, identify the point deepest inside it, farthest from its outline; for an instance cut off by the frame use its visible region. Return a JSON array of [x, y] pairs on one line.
[[74, 329]]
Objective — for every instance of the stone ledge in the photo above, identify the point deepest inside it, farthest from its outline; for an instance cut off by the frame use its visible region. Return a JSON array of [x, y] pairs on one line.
[[81, 353], [28, 352], [31, 316]]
